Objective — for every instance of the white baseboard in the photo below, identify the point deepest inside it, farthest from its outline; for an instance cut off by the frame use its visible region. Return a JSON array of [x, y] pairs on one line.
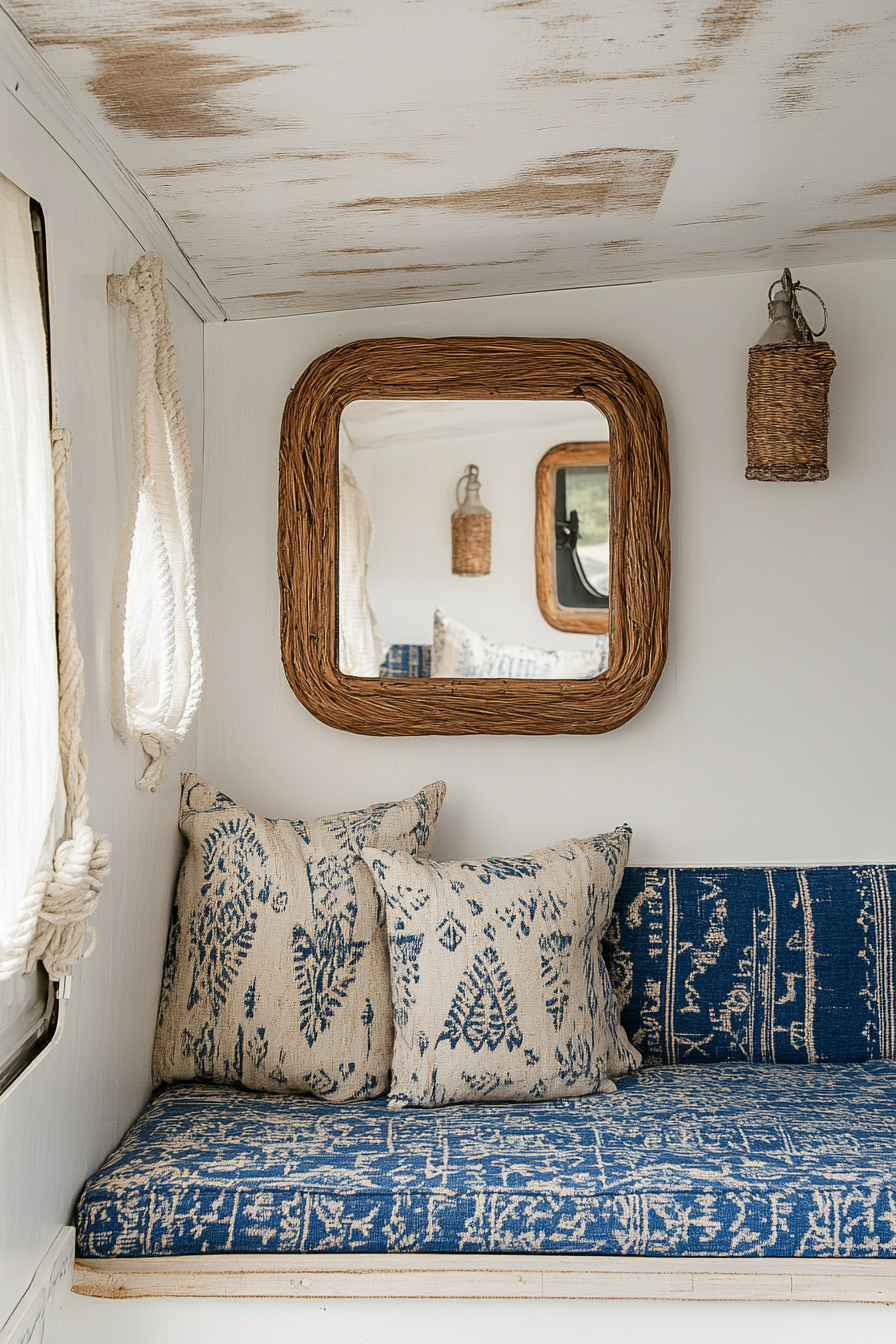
[[35, 1319]]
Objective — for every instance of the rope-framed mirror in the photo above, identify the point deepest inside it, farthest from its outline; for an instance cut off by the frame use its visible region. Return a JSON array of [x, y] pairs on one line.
[[370, 439]]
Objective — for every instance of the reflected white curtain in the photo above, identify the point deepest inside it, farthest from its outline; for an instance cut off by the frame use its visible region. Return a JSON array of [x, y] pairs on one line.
[[361, 650]]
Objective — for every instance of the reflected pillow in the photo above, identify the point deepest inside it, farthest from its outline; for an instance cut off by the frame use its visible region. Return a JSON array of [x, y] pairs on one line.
[[499, 990], [277, 971], [459, 652]]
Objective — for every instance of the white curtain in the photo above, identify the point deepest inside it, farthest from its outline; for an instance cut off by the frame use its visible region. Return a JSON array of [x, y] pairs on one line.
[[156, 663], [29, 732], [360, 648]]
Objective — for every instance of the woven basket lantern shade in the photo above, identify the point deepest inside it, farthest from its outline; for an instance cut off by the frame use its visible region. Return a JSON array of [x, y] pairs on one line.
[[787, 412], [787, 391], [471, 543]]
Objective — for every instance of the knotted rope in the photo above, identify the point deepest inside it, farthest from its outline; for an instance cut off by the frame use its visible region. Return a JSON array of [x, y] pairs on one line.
[[80, 864], [160, 709]]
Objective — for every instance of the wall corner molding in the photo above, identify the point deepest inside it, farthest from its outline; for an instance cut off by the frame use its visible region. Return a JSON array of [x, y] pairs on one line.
[[37, 88]]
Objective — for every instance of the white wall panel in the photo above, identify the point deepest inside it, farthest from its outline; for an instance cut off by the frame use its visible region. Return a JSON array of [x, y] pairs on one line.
[[61, 1120]]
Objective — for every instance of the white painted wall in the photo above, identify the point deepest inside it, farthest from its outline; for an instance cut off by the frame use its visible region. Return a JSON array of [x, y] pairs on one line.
[[771, 735], [194, 1321], [62, 1120]]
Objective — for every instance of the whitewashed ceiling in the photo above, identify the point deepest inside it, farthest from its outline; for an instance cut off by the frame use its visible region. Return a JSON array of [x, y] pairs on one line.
[[326, 156]]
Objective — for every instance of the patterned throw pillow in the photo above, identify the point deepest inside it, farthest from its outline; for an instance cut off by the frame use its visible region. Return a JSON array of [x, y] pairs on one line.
[[277, 972], [499, 991], [459, 652]]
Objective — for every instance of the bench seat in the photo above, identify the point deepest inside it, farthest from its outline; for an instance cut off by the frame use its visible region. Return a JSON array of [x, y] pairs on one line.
[[732, 1159]]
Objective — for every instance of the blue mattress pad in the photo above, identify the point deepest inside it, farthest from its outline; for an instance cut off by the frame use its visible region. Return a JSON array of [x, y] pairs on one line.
[[730, 1159]]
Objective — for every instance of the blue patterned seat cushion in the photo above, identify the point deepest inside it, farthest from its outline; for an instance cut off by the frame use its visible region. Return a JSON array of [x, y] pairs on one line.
[[724, 1159], [787, 965]]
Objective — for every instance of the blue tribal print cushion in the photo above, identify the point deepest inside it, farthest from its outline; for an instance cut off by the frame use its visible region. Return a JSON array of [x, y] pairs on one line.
[[787, 965], [277, 974], [724, 1159], [498, 986]]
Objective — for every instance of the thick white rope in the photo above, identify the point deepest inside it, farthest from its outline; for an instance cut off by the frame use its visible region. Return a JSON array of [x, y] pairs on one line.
[[80, 865], [162, 477]]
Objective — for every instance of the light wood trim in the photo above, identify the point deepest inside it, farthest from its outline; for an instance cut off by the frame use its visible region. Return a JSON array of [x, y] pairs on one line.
[[471, 368], [683, 1279], [584, 620]]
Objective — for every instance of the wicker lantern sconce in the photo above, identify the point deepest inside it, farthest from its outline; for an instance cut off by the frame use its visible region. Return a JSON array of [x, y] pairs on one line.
[[471, 529], [787, 393]]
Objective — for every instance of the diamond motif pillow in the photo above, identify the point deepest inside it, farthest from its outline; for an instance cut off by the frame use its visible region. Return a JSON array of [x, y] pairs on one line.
[[277, 970], [499, 991]]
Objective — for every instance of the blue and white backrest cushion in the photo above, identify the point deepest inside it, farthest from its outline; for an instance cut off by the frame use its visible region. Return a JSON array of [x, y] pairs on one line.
[[460, 652], [277, 971], [499, 992], [772, 965]]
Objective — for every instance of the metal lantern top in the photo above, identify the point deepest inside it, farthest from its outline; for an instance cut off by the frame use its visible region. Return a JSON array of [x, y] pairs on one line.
[[787, 325], [471, 503]]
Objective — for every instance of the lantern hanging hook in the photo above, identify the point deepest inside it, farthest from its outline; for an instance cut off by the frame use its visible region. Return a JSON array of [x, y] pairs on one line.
[[470, 478], [797, 284]]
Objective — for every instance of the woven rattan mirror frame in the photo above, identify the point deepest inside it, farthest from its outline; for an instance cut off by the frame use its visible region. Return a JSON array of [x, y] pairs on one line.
[[471, 368]]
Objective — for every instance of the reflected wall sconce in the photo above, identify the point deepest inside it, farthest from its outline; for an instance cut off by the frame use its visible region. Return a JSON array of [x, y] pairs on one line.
[[471, 528], [787, 392]]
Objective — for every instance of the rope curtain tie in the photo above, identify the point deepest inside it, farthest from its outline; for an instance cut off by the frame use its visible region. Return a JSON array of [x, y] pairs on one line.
[[156, 662], [72, 881]]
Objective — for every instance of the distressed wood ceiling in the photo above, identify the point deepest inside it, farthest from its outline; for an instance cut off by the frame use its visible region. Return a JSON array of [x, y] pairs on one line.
[[328, 156]]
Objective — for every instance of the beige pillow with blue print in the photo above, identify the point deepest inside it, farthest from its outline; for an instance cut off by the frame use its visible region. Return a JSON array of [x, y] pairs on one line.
[[499, 991], [277, 971]]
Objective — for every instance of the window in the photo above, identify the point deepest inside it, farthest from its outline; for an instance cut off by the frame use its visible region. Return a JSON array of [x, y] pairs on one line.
[[28, 730]]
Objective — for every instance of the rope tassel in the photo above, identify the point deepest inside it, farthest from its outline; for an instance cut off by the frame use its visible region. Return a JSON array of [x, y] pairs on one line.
[[64, 932]]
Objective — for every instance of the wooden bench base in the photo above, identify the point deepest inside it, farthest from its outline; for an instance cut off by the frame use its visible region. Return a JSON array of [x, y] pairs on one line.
[[687, 1279]]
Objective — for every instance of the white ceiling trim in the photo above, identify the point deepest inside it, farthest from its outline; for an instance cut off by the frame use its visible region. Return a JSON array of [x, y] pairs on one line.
[[32, 82]]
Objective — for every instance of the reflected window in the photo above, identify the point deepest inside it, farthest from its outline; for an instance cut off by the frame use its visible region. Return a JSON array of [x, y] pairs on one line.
[[572, 548]]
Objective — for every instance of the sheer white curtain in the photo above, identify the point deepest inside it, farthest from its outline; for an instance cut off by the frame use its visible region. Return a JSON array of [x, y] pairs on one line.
[[29, 730], [48, 891], [156, 663]]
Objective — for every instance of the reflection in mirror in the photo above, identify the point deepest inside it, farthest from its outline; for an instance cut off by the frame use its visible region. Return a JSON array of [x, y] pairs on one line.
[[572, 536], [582, 528], [402, 612]]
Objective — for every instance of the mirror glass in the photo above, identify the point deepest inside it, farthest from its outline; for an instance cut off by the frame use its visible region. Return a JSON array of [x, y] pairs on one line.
[[582, 512], [437, 561]]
